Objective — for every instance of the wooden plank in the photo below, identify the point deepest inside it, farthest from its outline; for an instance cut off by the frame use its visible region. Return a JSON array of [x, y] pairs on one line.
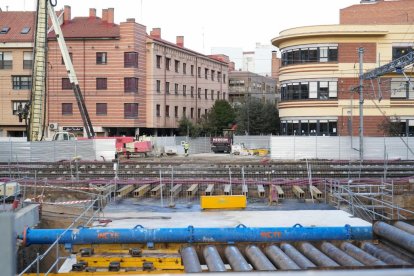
[[299, 193], [142, 190], [316, 193], [210, 190], [124, 191], [260, 190], [157, 190], [176, 189], [192, 191], [280, 192], [227, 189]]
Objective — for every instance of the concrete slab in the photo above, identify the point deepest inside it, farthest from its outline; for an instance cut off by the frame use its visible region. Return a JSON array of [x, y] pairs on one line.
[[130, 219]]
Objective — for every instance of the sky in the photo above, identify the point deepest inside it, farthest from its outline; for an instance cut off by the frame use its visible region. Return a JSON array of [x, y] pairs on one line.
[[212, 23]]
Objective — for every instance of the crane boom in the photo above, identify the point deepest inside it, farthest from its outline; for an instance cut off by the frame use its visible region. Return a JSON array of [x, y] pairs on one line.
[[38, 91]]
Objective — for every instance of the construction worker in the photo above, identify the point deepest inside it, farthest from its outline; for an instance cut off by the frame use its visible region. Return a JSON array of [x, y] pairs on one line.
[[186, 146]]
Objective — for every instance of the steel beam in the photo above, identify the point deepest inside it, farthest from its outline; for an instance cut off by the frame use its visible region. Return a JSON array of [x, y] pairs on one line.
[[279, 258], [258, 259], [236, 260]]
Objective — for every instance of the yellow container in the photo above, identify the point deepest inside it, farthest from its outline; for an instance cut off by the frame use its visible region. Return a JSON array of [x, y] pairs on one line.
[[223, 202]]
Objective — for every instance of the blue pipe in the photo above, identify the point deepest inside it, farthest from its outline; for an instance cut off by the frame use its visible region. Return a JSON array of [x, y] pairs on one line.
[[190, 234]]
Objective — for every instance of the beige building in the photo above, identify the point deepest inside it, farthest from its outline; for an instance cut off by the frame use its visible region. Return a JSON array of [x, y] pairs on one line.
[[181, 83], [16, 47], [319, 76]]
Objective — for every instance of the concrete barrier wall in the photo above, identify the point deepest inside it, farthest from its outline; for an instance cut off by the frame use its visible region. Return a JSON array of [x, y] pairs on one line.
[[340, 148]]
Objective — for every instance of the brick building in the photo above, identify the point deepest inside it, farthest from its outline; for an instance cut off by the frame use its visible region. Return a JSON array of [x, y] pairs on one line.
[[181, 83], [319, 73], [110, 63], [16, 47]]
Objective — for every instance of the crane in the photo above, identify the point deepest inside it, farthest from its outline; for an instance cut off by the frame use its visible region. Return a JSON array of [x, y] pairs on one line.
[[37, 104]]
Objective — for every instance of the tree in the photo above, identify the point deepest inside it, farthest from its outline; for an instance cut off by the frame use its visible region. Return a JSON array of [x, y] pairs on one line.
[[256, 118], [392, 127], [221, 116]]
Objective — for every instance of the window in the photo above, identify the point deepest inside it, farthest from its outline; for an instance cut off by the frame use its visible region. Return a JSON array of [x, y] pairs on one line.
[[224, 95], [158, 61], [25, 30], [205, 94], [212, 74], [101, 109], [130, 110], [66, 85], [199, 93], [205, 112], [184, 90], [212, 94], [158, 110], [167, 111], [167, 63], [101, 83], [313, 90], [323, 54], [158, 86], [205, 73], [27, 60], [333, 54], [199, 72], [322, 90], [313, 54], [21, 82], [71, 59], [333, 89], [67, 109], [184, 111], [218, 95], [398, 52], [199, 113], [101, 58], [219, 76], [176, 89], [131, 60], [18, 106], [131, 85], [224, 78], [192, 70], [184, 68], [176, 65], [400, 88], [6, 60], [192, 91], [192, 112], [176, 111], [4, 30], [167, 87]]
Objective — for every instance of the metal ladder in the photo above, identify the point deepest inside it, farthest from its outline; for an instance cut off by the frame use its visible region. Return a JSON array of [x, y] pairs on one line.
[[38, 90]]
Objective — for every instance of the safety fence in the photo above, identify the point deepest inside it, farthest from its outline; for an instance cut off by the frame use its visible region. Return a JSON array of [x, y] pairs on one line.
[[341, 148]]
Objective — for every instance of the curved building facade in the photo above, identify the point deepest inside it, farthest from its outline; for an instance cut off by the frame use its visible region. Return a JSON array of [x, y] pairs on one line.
[[319, 79]]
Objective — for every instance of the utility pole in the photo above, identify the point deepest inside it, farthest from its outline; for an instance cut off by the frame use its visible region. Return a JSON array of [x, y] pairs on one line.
[[361, 104]]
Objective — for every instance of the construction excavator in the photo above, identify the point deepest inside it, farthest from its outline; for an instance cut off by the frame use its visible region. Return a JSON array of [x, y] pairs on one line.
[[34, 113]]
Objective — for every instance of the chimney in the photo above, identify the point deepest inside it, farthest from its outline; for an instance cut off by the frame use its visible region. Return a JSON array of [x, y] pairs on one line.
[[180, 41], [92, 13], [104, 15], [130, 20], [156, 32], [66, 14], [111, 15]]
